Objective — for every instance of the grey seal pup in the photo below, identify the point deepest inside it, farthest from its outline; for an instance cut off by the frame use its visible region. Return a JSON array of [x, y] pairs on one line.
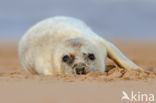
[[66, 45]]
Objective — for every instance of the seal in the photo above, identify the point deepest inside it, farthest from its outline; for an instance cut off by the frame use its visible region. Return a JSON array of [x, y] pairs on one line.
[[65, 45]]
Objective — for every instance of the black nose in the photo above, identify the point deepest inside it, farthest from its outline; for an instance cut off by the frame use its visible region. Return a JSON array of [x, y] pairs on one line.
[[80, 71]]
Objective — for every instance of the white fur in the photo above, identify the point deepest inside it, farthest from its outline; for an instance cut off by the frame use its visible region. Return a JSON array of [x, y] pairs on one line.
[[37, 46]]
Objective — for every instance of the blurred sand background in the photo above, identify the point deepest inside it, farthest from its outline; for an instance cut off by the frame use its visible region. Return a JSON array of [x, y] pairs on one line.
[[18, 86]]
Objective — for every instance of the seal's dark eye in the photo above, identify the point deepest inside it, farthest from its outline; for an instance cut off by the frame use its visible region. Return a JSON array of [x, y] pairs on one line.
[[65, 58], [91, 56]]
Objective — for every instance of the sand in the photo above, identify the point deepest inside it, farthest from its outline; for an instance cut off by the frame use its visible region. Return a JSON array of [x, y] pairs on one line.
[[18, 86]]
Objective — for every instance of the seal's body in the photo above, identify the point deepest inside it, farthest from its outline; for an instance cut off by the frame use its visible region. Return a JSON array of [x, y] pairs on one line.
[[66, 45]]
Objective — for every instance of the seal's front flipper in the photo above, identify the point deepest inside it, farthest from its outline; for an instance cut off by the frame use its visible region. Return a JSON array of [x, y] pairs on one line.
[[116, 55]]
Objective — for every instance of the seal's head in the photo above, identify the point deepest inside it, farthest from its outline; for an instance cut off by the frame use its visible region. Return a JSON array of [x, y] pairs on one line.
[[78, 56]]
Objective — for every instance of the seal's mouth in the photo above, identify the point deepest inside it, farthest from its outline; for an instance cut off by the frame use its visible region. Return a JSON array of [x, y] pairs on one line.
[[80, 69]]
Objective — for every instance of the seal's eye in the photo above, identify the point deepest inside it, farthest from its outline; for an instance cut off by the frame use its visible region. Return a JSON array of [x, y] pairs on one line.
[[91, 56], [65, 58]]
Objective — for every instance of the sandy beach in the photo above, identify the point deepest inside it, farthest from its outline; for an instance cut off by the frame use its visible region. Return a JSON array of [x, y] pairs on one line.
[[18, 86]]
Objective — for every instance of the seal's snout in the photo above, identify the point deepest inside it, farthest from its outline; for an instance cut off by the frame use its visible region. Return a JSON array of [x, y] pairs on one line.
[[80, 71], [80, 68]]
